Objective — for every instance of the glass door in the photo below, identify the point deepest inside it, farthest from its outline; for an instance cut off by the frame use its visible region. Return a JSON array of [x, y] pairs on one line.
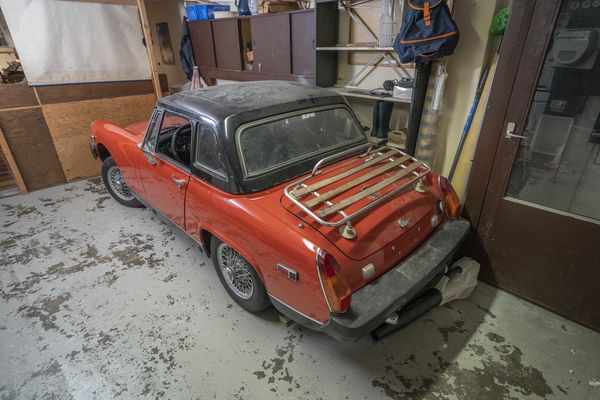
[[558, 162], [538, 234]]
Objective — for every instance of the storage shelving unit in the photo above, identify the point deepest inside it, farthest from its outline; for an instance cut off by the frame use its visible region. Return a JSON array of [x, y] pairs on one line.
[[330, 48]]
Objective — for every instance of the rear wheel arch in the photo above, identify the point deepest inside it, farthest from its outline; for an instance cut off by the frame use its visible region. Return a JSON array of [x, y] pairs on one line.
[[207, 236]]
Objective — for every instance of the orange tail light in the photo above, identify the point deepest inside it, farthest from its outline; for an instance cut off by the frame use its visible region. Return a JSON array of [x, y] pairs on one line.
[[336, 289], [450, 199]]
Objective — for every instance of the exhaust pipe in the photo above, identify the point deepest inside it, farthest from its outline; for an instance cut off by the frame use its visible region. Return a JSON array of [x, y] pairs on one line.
[[457, 283], [409, 313]]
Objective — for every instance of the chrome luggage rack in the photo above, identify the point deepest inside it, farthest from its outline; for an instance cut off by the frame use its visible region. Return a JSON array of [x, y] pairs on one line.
[[390, 159]]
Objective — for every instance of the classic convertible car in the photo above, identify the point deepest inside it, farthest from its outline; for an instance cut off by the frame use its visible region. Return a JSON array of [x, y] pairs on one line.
[[278, 183]]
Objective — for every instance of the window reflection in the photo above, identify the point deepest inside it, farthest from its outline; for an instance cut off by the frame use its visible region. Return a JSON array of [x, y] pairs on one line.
[[558, 165]]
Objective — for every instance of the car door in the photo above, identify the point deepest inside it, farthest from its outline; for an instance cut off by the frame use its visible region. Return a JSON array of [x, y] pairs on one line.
[[166, 171]]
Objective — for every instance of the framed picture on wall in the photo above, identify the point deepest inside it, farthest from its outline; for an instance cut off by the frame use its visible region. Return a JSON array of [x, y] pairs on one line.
[[164, 43]]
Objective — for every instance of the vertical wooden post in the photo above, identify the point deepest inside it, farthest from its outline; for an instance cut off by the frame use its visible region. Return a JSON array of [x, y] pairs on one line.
[[12, 164], [149, 48]]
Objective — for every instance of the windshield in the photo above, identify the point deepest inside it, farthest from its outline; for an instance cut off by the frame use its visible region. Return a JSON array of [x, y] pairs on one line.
[[267, 145]]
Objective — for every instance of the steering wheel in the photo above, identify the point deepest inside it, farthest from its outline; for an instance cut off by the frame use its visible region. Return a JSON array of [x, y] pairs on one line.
[[177, 144]]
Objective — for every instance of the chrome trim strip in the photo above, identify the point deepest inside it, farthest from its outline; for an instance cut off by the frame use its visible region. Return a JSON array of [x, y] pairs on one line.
[[167, 220], [297, 311], [552, 210], [342, 154], [366, 208], [321, 279]]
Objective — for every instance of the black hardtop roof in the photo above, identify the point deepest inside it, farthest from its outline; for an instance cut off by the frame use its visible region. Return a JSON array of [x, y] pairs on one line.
[[223, 101]]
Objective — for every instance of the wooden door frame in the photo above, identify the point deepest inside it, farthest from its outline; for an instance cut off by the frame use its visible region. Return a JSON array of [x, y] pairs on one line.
[[492, 128]]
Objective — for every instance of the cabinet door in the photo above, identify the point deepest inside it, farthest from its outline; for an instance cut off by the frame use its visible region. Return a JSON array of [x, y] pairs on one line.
[[227, 43], [202, 43], [303, 43], [271, 43]]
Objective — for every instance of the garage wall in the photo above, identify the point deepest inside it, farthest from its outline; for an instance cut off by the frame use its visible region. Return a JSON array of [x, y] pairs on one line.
[[47, 128], [464, 69], [69, 126], [28, 137]]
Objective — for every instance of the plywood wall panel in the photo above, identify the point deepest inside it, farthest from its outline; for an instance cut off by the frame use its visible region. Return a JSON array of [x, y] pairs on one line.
[[17, 95], [32, 147], [69, 125]]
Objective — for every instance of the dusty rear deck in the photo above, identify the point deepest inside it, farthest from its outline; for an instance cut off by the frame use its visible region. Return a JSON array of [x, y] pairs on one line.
[[101, 301]]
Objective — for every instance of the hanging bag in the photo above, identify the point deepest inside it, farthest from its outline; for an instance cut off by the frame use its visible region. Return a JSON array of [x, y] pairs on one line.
[[427, 33]]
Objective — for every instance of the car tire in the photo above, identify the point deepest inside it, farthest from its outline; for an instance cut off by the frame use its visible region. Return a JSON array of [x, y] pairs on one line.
[[239, 277], [113, 180]]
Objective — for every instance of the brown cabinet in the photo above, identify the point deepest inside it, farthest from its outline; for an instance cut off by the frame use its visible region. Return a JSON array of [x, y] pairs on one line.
[[282, 44], [226, 38], [303, 39], [202, 42], [271, 43]]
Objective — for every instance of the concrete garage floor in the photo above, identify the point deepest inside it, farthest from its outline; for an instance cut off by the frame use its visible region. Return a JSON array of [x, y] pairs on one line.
[[101, 301]]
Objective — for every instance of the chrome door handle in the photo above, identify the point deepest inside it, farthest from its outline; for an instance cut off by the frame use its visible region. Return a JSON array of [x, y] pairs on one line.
[[510, 128], [180, 182]]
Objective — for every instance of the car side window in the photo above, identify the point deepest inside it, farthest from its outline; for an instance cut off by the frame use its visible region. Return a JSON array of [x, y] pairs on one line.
[[208, 155], [175, 138]]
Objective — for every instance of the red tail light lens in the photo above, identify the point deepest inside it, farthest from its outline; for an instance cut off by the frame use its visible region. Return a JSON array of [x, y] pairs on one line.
[[450, 198], [336, 289]]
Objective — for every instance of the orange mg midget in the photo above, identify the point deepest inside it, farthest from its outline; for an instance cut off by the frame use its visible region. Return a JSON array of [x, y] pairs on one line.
[[278, 183]]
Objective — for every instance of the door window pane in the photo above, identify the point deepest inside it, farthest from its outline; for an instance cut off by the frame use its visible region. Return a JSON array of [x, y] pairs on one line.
[[175, 138], [558, 165]]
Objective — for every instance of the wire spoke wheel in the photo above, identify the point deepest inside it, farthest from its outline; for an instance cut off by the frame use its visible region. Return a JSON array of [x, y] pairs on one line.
[[117, 184], [236, 271]]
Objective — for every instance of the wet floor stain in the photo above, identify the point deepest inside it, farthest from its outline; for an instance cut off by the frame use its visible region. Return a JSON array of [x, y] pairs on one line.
[[101, 301]]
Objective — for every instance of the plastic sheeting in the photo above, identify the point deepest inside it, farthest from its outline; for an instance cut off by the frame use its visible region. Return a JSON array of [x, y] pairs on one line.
[[69, 42]]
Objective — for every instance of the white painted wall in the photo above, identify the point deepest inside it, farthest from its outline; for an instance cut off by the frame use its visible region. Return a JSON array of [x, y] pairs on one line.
[[464, 69]]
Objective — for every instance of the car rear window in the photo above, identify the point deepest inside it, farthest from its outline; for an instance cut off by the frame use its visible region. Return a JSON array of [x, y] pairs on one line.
[[273, 143]]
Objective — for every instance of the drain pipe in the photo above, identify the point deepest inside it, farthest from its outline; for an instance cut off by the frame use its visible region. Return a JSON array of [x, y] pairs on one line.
[[457, 283]]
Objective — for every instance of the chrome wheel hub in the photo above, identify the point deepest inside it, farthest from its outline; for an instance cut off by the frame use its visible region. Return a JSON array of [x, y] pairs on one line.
[[236, 271], [229, 275], [117, 184]]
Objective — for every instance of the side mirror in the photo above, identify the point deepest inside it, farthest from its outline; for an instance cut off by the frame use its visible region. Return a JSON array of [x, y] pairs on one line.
[[150, 157]]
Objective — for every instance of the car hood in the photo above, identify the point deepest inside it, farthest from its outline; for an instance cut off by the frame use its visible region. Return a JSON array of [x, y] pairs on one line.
[[139, 128]]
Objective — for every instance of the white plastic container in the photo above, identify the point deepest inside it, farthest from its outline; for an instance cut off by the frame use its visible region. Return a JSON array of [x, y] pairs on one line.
[[253, 5], [224, 14], [386, 25]]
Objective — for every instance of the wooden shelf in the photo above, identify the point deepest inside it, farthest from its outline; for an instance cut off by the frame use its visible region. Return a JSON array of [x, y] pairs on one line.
[[353, 92], [355, 47]]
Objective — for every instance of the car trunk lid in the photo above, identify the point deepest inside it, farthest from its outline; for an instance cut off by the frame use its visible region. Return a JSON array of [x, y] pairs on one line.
[[372, 177]]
